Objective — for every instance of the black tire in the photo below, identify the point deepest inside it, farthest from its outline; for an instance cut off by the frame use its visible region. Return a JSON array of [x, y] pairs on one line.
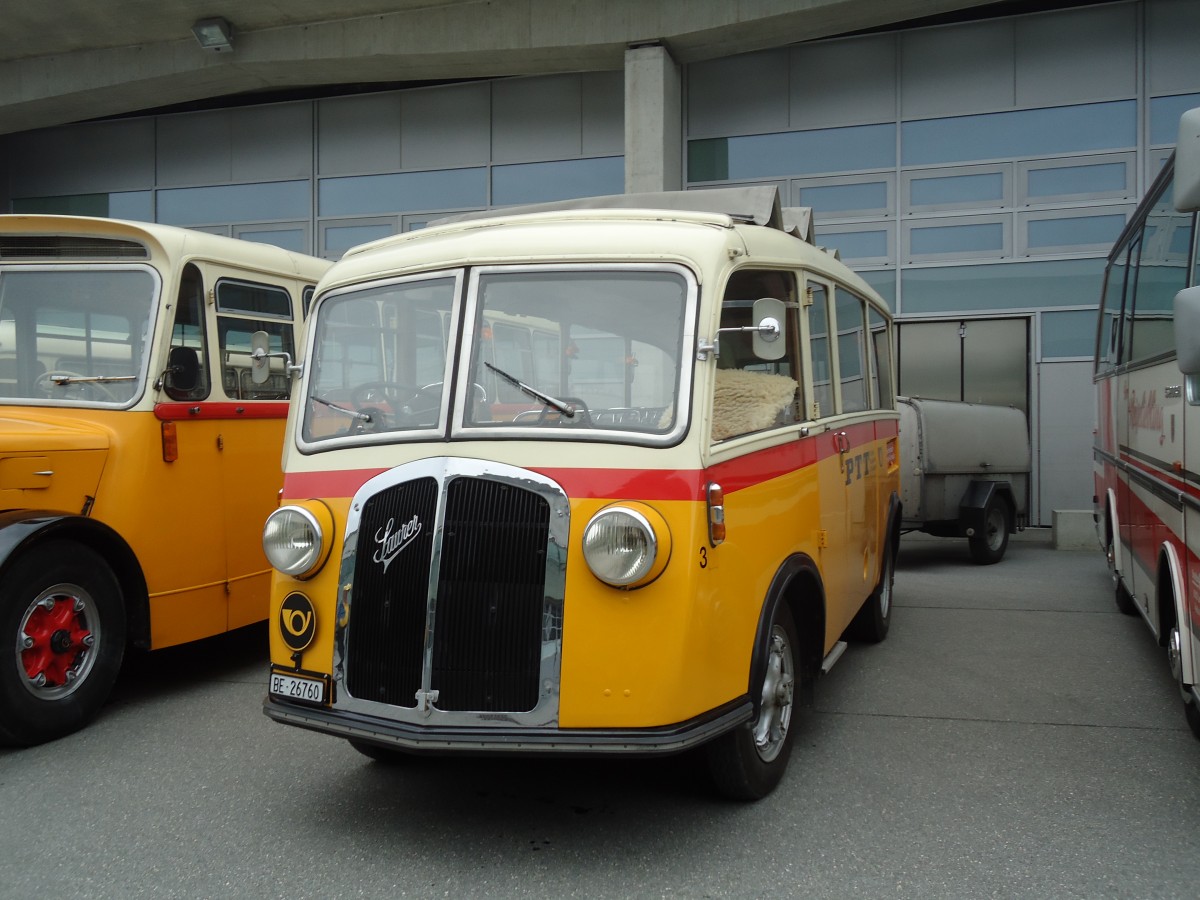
[[1190, 709], [379, 754], [989, 543], [1124, 599], [748, 762], [61, 611], [875, 618]]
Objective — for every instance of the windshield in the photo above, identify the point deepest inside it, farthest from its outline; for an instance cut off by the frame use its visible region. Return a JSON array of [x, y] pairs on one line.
[[553, 352], [75, 336]]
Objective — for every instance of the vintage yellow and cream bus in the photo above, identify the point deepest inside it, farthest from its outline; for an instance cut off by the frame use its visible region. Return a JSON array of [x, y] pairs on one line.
[[139, 449], [1147, 448], [614, 476]]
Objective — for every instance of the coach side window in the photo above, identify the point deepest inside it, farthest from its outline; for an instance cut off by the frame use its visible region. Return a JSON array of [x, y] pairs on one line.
[[1166, 238], [752, 394], [186, 377]]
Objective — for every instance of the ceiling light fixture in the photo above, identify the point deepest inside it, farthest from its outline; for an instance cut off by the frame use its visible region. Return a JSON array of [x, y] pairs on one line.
[[213, 34]]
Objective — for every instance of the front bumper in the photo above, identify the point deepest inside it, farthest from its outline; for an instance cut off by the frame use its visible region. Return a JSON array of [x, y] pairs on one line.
[[504, 739]]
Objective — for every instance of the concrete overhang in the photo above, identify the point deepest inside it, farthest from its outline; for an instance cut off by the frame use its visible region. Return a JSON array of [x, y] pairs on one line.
[[75, 60]]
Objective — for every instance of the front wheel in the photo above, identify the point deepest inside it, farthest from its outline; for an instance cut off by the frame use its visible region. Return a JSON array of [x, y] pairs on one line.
[[748, 762], [62, 617], [989, 543]]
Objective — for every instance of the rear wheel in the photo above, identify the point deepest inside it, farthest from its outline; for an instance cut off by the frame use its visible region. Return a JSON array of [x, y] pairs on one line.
[[63, 620], [875, 618], [989, 543], [748, 762]]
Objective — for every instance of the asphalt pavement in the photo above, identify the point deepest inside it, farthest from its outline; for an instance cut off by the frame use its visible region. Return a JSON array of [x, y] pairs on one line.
[[1015, 736]]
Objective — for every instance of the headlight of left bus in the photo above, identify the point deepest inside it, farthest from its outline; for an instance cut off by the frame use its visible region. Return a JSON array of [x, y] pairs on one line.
[[627, 546], [296, 539]]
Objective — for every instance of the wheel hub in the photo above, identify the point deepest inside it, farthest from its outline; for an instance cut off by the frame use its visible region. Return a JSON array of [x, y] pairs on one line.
[[54, 642]]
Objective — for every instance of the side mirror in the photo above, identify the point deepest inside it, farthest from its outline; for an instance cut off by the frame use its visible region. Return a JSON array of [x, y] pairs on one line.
[[767, 335], [1187, 162], [1187, 330], [183, 370], [260, 357]]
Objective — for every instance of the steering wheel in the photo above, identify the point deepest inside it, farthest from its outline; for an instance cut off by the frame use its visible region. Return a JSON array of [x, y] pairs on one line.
[[392, 393], [46, 384], [582, 415]]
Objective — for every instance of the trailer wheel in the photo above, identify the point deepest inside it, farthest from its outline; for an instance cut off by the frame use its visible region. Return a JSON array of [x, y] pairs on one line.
[[749, 761], [63, 620], [988, 545]]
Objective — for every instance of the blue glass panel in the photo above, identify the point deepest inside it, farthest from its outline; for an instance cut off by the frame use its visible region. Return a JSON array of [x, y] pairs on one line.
[[1074, 231], [1029, 132], [810, 152], [563, 180], [1104, 178], [978, 238], [340, 238], [1067, 334], [364, 195], [1164, 116], [957, 189], [136, 205], [234, 203], [857, 244], [845, 197], [1025, 285], [884, 282]]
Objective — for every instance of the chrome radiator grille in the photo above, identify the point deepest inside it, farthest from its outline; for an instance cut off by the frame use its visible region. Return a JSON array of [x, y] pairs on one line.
[[474, 637]]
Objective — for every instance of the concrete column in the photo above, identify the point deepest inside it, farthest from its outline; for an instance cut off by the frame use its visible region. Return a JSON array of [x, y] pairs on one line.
[[653, 121]]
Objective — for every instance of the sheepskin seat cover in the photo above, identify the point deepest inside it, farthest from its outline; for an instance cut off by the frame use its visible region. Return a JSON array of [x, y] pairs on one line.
[[748, 401]]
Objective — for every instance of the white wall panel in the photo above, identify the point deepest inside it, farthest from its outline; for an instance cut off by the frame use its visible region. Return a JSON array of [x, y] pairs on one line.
[[195, 149], [1172, 31], [445, 127], [848, 82], [536, 118], [1076, 56], [745, 94], [1066, 418], [271, 143], [957, 70], [358, 134], [82, 159], [603, 113]]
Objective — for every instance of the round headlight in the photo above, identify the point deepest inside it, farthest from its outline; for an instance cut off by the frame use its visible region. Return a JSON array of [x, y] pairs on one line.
[[294, 541], [620, 546]]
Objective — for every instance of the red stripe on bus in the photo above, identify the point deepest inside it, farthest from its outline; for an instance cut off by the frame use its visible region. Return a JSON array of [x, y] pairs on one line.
[[640, 484], [206, 409]]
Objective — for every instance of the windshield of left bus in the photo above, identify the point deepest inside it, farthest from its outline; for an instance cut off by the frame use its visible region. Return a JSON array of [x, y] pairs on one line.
[[75, 336]]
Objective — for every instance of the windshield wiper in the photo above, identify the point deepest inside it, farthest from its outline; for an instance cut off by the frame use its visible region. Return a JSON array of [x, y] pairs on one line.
[[63, 378], [533, 392], [353, 413]]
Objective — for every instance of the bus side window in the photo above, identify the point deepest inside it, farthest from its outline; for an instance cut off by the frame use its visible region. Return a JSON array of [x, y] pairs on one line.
[[1162, 272], [752, 394], [242, 309], [852, 350], [819, 352], [881, 357], [185, 381]]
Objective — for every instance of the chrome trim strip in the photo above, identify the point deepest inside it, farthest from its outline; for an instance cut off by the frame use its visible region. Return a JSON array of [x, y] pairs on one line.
[[511, 739], [425, 713]]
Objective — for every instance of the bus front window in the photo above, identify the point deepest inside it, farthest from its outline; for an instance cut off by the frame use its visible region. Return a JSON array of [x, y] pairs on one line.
[[74, 336]]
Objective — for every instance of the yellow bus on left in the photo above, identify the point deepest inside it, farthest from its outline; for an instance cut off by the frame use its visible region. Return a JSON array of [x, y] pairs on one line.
[[143, 390]]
